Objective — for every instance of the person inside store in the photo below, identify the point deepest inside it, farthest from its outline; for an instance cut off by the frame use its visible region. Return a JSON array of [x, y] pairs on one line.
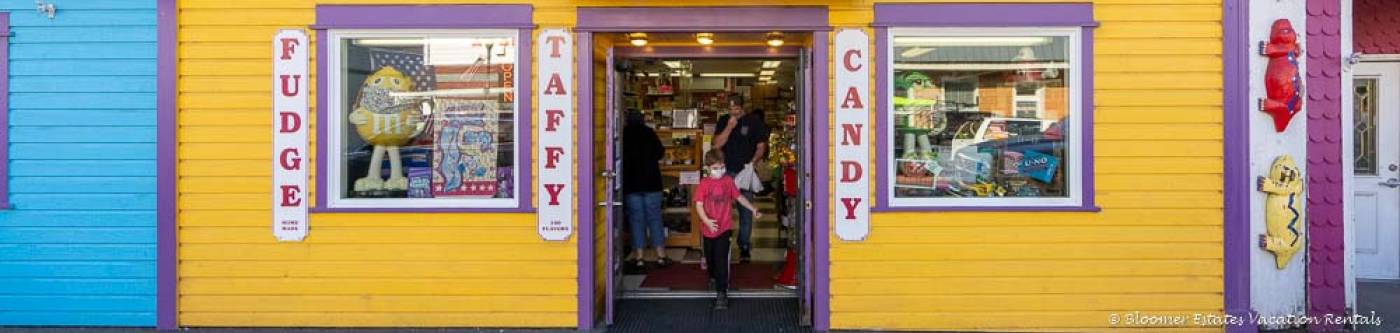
[[714, 197], [641, 189], [743, 138]]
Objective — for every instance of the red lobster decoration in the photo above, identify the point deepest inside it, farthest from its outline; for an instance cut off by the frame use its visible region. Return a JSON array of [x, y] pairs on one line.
[[1282, 82]]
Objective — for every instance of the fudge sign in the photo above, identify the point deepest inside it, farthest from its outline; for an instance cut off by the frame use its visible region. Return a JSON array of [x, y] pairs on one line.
[[289, 95], [554, 121], [852, 153]]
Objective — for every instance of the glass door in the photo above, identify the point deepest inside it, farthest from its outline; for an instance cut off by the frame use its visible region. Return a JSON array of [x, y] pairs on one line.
[[613, 171], [803, 208]]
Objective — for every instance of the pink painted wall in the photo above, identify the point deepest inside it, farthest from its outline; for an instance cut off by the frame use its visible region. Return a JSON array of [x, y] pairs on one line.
[[1326, 247]]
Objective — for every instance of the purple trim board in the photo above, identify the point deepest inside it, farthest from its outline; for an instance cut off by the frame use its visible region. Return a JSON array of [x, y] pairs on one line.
[[422, 17], [821, 235], [4, 110], [583, 91], [166, 192], [661, 19], [982, 15], [709, 19], [1237, 245]]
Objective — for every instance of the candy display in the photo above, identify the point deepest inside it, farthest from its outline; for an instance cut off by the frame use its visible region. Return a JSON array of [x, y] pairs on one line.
[[980, 120]]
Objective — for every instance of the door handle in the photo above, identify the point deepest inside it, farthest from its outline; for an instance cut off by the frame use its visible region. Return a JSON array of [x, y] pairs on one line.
[[1391, 183]]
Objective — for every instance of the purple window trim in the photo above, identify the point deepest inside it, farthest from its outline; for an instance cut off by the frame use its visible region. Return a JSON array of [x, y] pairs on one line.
[[983, 15], [166, 192], [4, 110], [425, 17], [662, 19], [1237, 245]]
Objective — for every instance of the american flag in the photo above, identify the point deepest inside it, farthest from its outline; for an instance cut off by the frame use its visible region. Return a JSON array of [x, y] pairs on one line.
[[409, 64]]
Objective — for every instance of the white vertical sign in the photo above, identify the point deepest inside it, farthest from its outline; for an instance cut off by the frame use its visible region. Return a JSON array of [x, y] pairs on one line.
[[554, 119], [289, 91], [852, 96]]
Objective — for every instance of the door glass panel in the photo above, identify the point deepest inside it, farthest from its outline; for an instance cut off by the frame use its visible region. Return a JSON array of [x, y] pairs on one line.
[[1365, 123]]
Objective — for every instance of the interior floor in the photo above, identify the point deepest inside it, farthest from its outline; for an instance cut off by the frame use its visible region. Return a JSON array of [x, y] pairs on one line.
[[768, 257]]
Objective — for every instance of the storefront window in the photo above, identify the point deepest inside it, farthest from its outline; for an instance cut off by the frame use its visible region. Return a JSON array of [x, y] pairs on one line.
[[423, 120], [984, 118]]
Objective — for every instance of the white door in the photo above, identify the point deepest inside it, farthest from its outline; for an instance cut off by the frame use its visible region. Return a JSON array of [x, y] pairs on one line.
[[1376, 180]]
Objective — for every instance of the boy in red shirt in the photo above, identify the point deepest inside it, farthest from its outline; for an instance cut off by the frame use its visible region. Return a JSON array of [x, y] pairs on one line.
[[713, 199]]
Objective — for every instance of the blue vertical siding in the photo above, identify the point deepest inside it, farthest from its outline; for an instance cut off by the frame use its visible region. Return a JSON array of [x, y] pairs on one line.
[[78, 246]]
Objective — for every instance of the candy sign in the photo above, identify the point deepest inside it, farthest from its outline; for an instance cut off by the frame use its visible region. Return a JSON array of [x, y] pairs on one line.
[[852, 147], [289, 94], [554, 122]]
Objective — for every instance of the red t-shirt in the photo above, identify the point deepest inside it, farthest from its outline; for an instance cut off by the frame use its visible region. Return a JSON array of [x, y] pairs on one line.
[[718, 195]]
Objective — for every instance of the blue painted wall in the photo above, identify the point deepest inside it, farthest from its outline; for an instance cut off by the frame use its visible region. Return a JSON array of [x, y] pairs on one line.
[[78, 246]]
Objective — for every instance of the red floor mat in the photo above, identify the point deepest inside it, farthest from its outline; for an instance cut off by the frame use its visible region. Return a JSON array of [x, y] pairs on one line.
[[691, 277]]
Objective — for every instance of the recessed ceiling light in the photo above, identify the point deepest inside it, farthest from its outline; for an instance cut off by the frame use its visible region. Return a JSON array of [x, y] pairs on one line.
[[771, 64], [775, 39], [705, 38], [637, 38], [767, 72]]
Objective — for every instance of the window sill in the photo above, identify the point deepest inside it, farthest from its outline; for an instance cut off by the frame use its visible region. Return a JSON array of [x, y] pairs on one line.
[[933, 209], [320, 210]]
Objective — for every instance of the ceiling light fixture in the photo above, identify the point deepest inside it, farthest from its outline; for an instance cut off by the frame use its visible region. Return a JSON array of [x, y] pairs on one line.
[[705, 38], [766, 72], [775, 39], [770, 64], [637, 38]]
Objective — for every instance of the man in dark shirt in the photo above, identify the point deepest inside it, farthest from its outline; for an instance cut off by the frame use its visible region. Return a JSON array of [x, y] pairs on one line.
[[743, 137]]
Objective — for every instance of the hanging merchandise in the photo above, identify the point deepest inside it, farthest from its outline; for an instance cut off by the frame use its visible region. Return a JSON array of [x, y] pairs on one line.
[[1038, 166], [464, 151], [1282, 81]]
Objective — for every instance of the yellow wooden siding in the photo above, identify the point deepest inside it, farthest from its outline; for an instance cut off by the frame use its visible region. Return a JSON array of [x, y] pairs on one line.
[[377, 269], [1156, 247]]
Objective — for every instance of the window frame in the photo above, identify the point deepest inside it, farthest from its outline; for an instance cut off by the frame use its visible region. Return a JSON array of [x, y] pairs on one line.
[[1072, 159], [898, 17], [336, 126], [334, 22]]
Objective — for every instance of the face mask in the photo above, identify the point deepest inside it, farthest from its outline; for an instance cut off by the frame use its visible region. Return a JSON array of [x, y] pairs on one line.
[[716, 172]]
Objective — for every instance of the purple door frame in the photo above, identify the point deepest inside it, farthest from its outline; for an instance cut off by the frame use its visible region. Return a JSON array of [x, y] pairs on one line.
[[653, 19]]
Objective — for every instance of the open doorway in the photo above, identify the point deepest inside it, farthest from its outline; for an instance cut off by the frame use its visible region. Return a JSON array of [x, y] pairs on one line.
[[684, 102], [679, 97]]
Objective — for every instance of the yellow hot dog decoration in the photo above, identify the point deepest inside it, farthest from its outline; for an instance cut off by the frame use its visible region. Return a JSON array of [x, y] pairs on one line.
[[1283, 210]]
